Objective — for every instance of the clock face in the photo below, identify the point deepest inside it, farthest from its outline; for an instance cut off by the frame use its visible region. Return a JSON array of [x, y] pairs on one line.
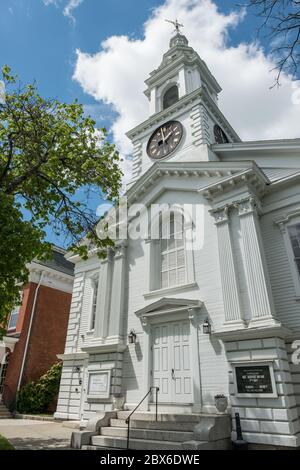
[[220, 136], [165, 140]]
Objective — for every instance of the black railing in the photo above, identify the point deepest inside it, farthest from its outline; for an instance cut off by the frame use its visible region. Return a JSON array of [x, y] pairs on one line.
[[127, 421]]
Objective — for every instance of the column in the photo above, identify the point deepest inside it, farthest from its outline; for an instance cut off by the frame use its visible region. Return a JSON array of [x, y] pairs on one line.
[[230, 288], [259, 290]]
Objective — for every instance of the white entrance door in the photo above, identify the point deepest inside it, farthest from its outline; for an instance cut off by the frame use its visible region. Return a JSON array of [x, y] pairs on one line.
[[171, 365]]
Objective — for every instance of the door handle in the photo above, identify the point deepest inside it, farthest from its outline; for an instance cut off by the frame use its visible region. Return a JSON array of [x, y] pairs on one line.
[[172, 372]]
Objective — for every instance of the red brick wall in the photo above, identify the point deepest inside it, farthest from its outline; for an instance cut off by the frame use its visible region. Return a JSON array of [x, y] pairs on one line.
[[47, 338]]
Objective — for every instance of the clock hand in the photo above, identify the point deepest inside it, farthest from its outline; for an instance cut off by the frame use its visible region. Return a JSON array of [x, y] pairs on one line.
[[168, 136], [162, 134]]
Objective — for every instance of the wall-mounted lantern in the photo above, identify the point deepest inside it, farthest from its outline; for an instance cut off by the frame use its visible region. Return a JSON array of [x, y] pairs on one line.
[[76, 369], [206, 327], [132, 337]]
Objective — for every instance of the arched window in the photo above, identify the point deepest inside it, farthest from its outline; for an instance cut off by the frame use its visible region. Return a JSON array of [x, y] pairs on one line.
[[172, 251], [170, 97]]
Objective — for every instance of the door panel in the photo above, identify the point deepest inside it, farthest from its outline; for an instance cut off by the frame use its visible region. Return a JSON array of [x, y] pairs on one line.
[[171, 366]]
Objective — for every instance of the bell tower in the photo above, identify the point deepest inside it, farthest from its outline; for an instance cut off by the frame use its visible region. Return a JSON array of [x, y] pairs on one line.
[[184, 116]]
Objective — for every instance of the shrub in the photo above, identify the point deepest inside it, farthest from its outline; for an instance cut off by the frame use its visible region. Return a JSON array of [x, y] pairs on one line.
[[36, 397]]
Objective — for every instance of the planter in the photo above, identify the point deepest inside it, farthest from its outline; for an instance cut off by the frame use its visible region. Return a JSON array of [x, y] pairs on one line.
[[221, 403], [118, 402]]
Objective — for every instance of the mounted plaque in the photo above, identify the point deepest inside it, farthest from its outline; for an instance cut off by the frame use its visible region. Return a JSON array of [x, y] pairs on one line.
[[99, 384], [255, 380]]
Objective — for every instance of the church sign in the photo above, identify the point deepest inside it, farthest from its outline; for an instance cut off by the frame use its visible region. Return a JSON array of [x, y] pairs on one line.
[[255, 380], [99, 384]]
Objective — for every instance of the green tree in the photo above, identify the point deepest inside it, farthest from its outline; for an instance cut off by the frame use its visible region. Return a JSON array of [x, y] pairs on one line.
[[49, 153]]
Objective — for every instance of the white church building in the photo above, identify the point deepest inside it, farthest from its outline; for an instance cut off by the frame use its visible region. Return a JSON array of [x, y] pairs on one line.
[[215, 312]]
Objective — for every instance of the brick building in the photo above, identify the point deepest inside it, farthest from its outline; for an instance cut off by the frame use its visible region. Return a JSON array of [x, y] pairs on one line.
[[37, 329]]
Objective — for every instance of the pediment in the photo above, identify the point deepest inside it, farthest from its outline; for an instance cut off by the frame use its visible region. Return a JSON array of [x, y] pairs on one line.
[[168, 305], [220, 170]]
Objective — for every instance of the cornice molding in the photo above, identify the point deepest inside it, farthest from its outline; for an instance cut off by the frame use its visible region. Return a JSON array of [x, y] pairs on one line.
[[161, 169], [252, 177], [198, 95]]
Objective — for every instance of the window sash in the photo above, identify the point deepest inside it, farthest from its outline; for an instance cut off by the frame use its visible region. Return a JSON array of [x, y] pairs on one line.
[[294, 234], [94, 305], [13, 319]]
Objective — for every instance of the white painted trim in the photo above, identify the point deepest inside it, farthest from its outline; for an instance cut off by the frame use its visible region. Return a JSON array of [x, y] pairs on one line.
[[99, 395], [170, 290], [190, 312]]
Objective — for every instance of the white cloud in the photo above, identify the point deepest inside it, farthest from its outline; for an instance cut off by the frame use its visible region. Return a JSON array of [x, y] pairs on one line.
[[116, 74], [68, 8]]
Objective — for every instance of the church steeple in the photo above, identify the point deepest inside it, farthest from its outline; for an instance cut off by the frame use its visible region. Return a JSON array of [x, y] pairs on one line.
[[184, 117], [182, 67]]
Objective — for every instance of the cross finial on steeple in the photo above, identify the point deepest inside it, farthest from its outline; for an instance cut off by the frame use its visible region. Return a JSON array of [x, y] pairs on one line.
[[176, 24]]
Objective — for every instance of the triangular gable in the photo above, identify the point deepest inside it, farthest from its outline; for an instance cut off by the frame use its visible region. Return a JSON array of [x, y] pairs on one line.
[[168, 304]]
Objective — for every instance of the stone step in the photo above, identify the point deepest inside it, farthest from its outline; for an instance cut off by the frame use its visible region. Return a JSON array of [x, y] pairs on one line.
[[137, 444], [7, 416], [148, 434], [159, 425], [149, 416]]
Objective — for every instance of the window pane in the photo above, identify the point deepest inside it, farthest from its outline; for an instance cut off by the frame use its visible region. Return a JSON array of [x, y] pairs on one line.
[[172, 260], [14, 318], [180, 258], [181, 275], [94, 306], [164, 279], [172, 267], [164, 262], [173, 278], [294, 233]]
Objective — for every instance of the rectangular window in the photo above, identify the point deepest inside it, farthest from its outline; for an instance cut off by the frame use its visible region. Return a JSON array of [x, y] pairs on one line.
[[173, 262], [94, 305], [13, 318], [294, 233]]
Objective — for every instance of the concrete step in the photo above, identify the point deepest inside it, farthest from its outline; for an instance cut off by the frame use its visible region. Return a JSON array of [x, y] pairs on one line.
[[159, 425], [148, 434], [149, 416], [138, 444]]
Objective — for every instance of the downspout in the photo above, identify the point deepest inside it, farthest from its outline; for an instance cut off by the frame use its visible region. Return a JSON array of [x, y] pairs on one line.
[[29, 332]]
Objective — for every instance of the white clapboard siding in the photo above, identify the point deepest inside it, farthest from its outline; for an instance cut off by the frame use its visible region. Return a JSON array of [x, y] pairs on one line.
[[286, 306]]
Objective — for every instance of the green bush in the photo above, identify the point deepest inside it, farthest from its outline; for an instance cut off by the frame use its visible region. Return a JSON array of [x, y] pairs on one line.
[[37, 397]]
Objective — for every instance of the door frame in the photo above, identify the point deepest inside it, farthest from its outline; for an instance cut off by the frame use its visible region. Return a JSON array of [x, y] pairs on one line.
[[165, 311]]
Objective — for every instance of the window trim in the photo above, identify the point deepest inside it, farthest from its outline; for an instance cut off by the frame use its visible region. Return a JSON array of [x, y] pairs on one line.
[[284, 224], [155, 255], [13, 328], [92, 279]]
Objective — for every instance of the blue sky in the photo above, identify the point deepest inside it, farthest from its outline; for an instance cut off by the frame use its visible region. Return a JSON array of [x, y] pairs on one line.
[[39, 42]]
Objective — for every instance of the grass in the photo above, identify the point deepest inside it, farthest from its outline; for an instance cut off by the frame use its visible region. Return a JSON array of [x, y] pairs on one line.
[[5, 445]]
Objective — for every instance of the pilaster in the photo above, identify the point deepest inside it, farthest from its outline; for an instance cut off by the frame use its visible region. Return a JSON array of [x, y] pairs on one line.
[[230, 287], [118, 290], [257, 277], [104, 297]]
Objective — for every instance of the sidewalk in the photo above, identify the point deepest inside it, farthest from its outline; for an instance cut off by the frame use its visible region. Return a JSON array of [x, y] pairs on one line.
[[34, 435]]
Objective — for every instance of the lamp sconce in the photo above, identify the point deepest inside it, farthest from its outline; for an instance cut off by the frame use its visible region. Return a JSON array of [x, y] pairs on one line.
[[76, 369], [132, 337], [206, 327]]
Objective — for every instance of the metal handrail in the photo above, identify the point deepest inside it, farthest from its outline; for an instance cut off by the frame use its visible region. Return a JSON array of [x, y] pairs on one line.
[[127, 421]]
